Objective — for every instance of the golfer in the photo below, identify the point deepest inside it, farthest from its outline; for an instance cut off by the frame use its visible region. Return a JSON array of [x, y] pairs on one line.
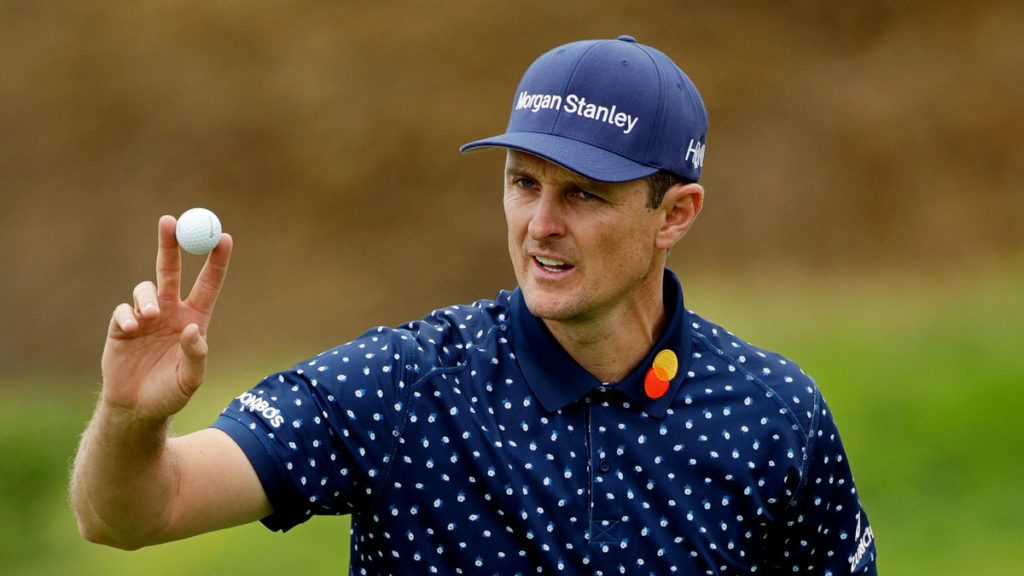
[[585, 422]]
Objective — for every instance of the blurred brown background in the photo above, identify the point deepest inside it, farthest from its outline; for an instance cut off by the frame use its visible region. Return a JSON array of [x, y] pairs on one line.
[[844, 140]]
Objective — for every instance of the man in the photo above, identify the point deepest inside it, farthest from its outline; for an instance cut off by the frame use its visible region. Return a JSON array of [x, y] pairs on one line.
[[584, 423]]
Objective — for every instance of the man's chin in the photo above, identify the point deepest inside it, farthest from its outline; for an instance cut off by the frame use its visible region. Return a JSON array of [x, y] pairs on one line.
[[548, 306]]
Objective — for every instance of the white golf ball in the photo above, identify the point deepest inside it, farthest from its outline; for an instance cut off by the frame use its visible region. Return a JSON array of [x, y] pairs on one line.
[[198, 231]]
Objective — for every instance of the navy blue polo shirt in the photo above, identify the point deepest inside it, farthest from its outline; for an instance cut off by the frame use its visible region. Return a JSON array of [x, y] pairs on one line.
[[469, 442]]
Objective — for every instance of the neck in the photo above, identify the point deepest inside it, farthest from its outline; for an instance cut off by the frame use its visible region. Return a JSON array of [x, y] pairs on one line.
[[612, 345]]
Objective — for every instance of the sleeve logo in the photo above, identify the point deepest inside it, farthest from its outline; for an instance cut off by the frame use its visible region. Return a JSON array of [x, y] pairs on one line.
[[257, 405]]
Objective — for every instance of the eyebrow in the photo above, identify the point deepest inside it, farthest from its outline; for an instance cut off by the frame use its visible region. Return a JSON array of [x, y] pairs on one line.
[[571, 180]]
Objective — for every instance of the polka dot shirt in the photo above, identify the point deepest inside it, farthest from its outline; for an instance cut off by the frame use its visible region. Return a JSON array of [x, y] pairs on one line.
[[469, 442]]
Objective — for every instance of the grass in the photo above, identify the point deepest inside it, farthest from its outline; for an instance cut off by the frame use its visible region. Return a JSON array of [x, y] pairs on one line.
[[923, 376]]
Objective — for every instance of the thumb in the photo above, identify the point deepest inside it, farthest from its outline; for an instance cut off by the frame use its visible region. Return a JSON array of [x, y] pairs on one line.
[[192, 366]]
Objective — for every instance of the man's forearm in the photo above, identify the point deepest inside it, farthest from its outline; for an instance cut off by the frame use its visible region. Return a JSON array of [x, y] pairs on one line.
[[123, 479]]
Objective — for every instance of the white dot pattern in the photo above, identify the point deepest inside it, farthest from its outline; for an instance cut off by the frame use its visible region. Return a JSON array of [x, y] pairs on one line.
[[449, 462]]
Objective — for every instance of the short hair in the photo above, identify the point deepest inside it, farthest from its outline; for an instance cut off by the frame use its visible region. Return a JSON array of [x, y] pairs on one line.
[[659, 183]]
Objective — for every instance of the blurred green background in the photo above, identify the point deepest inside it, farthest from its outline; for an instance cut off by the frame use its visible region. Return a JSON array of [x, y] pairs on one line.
[[863, 217]]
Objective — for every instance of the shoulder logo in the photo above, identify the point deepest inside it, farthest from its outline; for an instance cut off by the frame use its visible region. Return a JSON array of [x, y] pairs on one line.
[[864, 541], [257, 405]]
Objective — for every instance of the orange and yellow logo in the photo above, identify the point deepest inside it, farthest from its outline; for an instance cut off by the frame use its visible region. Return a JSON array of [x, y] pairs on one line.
[[661, 373]]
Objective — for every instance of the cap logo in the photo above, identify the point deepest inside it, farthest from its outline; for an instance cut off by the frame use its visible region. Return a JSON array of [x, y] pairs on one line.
[[578, 105], [662, 371], [696, 150]]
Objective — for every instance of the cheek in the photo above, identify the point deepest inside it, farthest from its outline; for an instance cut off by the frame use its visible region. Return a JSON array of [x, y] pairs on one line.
[[513, 218], [627, 248], [514, 231], [513, 249]]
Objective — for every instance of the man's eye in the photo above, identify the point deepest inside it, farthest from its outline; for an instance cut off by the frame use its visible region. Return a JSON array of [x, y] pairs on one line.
[[584, 195]]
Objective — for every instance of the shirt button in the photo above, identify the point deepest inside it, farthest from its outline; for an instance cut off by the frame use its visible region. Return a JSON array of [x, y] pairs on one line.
[[604, 466]]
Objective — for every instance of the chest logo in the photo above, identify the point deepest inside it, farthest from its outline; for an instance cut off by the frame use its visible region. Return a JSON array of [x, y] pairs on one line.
[[661, 373]]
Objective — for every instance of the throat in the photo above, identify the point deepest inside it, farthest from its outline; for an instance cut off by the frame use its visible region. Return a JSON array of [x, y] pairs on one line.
[[609, 351]]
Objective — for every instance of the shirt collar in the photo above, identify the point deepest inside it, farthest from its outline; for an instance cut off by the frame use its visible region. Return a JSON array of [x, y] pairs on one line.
[[557, 380]]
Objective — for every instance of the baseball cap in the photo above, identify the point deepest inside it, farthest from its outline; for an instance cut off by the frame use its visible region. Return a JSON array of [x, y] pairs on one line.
[[611, 110]]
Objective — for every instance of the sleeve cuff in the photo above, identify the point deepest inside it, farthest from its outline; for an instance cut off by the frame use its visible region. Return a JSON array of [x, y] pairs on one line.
[[282, 497]]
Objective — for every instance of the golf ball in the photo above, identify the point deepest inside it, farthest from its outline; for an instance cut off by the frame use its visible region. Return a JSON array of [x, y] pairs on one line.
[[198, 231]]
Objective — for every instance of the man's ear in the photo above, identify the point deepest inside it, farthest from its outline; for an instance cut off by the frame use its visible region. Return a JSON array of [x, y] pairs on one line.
[[681, 205]]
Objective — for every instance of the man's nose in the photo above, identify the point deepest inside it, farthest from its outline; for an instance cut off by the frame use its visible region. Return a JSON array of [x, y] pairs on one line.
[[548, 219]]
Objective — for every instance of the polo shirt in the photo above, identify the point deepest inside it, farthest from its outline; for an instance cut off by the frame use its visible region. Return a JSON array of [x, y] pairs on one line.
[[470, 442]]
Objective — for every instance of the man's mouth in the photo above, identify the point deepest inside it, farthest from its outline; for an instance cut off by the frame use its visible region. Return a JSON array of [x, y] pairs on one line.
[[551, 264]]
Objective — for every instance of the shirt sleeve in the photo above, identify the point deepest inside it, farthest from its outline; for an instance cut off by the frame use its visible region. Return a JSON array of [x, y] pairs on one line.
[[321, 435], [825, 529]]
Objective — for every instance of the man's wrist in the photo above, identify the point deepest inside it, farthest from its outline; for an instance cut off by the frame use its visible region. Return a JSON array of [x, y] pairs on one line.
[[122, 426]]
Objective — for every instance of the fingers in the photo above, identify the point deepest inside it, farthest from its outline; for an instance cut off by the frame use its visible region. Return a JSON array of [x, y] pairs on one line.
[[168, 260], [149, 299], [168, 269], [211, 278], [192, 368], [127, 318], [124, 319], [147, 303]]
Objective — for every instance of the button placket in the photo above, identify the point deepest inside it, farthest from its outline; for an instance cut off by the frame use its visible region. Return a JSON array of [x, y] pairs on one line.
[[606, 522]]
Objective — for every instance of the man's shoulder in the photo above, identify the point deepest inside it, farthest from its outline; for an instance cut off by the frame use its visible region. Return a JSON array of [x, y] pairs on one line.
[[442, 337], [460, 324], [396, 355], [718, 350]]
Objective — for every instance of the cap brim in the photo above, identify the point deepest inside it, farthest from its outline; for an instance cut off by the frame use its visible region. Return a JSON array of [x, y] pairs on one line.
[[590, 161]]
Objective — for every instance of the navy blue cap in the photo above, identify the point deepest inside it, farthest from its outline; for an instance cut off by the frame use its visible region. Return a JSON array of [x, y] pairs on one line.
[[611, 110]]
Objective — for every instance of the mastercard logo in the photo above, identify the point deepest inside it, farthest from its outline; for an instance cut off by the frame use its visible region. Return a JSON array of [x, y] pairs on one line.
[[661, 373]]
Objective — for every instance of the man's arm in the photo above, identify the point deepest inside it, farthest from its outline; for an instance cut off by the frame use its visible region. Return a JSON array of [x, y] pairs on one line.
[[825, 530], [132, 485], [127, 497]]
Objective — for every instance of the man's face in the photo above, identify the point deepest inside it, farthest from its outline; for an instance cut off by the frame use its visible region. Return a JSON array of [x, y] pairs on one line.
[[582, 250]]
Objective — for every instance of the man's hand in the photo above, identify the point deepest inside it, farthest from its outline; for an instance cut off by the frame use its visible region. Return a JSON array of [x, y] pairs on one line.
[[155, 355], [132, 485]]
